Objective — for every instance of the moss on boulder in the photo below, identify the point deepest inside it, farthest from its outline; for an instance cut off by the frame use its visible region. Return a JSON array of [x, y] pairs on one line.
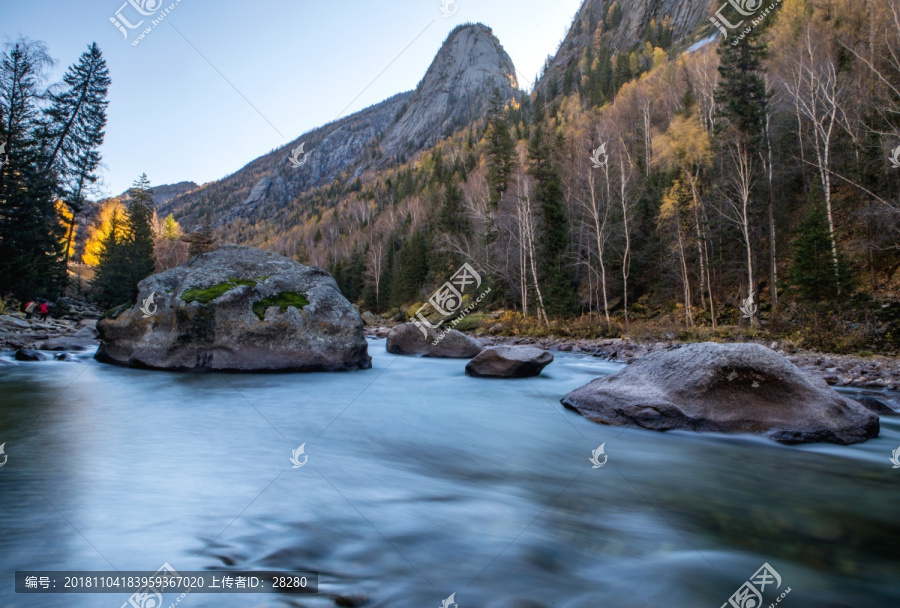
[[282, 300]]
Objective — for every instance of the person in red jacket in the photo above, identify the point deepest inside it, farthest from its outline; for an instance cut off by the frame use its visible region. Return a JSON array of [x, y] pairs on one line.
[[44, 310]]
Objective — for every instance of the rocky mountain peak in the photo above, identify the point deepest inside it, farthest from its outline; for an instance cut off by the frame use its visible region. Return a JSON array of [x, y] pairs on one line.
[[456, 89], [455, 92]]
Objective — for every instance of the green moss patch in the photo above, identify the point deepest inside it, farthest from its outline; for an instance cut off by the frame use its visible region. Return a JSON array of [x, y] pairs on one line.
[[282, 300], [207, 295], [113, 313]]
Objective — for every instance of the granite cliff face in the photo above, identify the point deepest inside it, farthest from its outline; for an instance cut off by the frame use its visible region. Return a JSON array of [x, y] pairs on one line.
[[455, 91]]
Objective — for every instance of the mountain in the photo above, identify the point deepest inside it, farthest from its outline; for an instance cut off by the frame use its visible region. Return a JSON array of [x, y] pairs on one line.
[[625, 26], [163, 194], [455, 91], [338, 150]]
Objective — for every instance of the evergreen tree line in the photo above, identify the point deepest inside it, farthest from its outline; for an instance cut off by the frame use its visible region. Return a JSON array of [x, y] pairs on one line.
[[127, 253]]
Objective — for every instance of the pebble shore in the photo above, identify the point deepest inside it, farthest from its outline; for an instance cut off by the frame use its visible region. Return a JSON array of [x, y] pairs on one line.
[[874, 373]]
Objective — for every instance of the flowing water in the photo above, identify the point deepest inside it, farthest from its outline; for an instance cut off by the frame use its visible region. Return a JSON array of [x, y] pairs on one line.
[[421, 483]]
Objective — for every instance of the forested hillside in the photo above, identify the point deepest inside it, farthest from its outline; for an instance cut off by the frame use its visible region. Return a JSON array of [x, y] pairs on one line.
[[755, 174]]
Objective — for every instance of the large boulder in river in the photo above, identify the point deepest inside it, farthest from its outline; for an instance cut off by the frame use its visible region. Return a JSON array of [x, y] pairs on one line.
[[733, 388], [509, 362], [409, 339], [237, 309]]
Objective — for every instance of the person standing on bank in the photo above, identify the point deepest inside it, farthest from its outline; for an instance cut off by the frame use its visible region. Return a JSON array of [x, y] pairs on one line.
[[44, 310]]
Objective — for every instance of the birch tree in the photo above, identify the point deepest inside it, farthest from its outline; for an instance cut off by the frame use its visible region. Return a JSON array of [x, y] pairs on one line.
[[817, 89]]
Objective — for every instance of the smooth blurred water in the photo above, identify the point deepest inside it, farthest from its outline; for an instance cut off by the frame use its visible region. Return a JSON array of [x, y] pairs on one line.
[[420, 483]]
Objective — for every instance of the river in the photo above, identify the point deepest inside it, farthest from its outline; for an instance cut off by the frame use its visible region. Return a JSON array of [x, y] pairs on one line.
[[419, 483]]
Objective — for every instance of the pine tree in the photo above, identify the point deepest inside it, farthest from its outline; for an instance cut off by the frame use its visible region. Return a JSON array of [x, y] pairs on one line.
[[559, 289], [111, 279], [75, 123], [741, 96], [141, 260], [812, 273], [623, 70], [451, 217], [126, 254], [387, 279], [500, 151], [741, 100], [31, 238]]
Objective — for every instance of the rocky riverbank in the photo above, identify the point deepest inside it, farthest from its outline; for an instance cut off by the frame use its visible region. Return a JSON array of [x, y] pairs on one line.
[[874, 373], [72, 327]]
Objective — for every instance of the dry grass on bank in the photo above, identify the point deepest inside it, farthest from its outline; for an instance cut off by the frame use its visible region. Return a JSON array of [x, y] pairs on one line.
[[820, 333]]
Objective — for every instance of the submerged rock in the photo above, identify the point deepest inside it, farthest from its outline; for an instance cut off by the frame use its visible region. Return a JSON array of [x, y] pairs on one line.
[[76, 342], [408, 339], [733, 388], [876, 406], [25, 354], [509, 362], [237, 309]]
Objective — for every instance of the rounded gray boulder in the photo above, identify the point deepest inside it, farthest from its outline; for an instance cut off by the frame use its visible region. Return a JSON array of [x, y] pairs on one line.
[[25, 354], [733, 388], [237, 309], [509, 362], [420, 341]]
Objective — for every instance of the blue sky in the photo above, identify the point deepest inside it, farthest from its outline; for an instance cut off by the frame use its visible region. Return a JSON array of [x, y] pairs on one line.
[[299, 63]]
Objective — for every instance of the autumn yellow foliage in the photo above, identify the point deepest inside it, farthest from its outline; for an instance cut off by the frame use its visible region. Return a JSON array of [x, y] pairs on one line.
[[65, 220], [100, 230]]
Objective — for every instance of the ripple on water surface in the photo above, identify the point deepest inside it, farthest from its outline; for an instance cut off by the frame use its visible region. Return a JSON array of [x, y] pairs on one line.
[[421, 482]]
